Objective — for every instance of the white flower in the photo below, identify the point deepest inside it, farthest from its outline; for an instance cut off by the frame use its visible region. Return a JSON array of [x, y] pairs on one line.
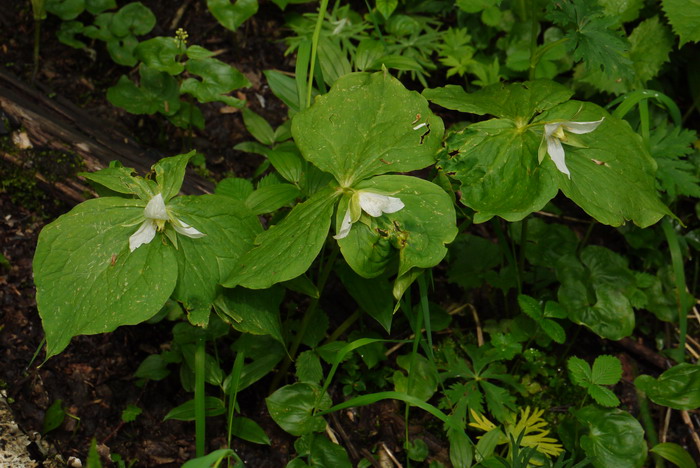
[[554, 135], [373, 204], [156, 214]]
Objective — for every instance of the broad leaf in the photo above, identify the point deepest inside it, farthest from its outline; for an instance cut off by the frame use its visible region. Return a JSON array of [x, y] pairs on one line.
[[677, 388], [684, 16], [205, 262], [218, 79], [87, 280], [252, 311], [132, 19], [675, 454], [596, 291], [161, 53], [232, 15], [368, 125], [614, 438], [287, 249], [292, 407]]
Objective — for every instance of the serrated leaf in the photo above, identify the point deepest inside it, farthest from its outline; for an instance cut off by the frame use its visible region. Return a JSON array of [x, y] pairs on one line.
[[553, 330], [580, 371], [591, 38], [651, 44], [308, 367], [87, 279], [287, 249], [368, 124], [624, 10], [130, 413], [530, 307], [684, 16], [603, 396], [607, 370]]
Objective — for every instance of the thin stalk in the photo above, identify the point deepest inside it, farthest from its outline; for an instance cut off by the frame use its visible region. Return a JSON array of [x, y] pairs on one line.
[[200, 361], [649, 428], [644, 119], [414, 351], [343, 326], [534, 25], [306, 320], [586, 236], [314, 48], [233, 391], [679, 277], [425, 306], [37, 41]]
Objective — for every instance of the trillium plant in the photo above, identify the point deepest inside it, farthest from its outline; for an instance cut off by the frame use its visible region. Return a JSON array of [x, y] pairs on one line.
[[555, 135]]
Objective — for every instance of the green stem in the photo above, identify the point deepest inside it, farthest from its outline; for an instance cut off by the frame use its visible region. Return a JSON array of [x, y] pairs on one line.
[[644, 119], [236, 372], [314, 48], [539, 53], [200, 360], [343, 326], [649, 428], [682, 299], [37, 41], [534, 25], [308, 315]]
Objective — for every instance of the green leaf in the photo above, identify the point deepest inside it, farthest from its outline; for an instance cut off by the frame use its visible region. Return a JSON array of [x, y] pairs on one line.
[[154, 367], [185, 412], [612, 174], [247, 429], [461, 453], [287, 249], [675, 454], [205, 262], [122, 180], [324, 453], [422, 379], [624, 10], [54, 416], [288, 162], [595, 291], [98, 6], [591, 37], [232, 15], [651, 44], [419, 231], [234, 187], [170, 173], [161, 53], [615, 439], [292, 407], [258, 127], [66, 34], [579, 370], [684, 16], [387, 7], [65, 9], [677, 388], [284, 87], [83, 257], [132, 19], [603, 396], [308, 367], [130, 413], [368, 125], [516, 101], [210, 459], [271, 198], [218, 79], [372, 295], [607, 370], [252, 311], [121, 50], [158, 92]]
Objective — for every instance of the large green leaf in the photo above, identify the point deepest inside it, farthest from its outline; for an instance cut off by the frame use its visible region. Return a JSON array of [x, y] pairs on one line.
[[253, 311], [292, 407], [157, 92], [368, 124], [232, 15], [205, 262], [677, 388], [87, 280], [612, 174], [595, 291], [218, 79], [162, 54], [287, 249], [684, 16], [615, 439], [419, 231], [508, 101]]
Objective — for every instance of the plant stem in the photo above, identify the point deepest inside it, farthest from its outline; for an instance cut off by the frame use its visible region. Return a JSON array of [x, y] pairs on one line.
[[308, 315], [648, 423], [200, 358], [682, 299], [37, 41], [314, 48], [343, 326]]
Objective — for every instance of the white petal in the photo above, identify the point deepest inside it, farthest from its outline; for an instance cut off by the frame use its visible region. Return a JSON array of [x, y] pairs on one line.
[[556, 152], [155, 209], [581, 127], [375, 204], [550, 128], [185, 229], [145, 234], [344, 226]]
